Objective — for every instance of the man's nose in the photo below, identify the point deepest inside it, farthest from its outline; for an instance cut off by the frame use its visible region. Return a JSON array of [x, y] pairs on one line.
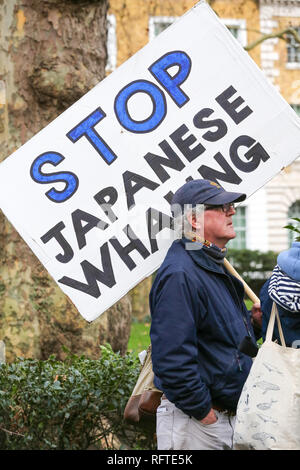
[[231, 211]]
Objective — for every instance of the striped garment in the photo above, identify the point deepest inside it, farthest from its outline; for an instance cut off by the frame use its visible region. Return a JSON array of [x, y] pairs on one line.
[[284, 290]]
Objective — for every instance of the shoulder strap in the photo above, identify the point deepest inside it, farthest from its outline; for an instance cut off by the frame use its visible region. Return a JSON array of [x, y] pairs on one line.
[[270, 329]]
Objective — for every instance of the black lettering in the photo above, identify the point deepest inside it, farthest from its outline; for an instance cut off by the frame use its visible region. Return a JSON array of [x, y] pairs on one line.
[[185, 145], [157, 162], [231, 108], [106, 198], [156, 222], [134, 244], [169, 196], [55, 232], [201, 123], [92, 274], [80, 231], [211, 174], [133, 183], [254, 156]]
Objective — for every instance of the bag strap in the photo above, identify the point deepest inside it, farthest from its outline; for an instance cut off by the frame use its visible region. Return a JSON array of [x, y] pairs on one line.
[[270, 329]]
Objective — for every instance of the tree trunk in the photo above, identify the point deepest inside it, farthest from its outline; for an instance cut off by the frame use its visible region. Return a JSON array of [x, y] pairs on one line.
[[51, 53], [140, 300]]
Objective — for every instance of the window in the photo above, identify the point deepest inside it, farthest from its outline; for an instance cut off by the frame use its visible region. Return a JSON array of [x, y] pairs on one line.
[[234, 31], [239, 222], [296, 108], [237, 29], [294, 211], [293, 48], [111, 44], [157, 24]]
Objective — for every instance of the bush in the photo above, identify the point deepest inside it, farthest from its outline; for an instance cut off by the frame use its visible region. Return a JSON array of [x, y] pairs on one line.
[[73, 404], [254, 266]]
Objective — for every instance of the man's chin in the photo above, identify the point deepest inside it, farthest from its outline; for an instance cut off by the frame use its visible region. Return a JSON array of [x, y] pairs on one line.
[[231, 235]]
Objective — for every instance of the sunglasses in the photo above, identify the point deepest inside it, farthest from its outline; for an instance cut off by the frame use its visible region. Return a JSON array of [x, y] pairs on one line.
[[224, 207]]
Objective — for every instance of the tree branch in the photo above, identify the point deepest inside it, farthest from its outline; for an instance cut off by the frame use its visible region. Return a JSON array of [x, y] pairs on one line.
[[11, 432], [283, 34]]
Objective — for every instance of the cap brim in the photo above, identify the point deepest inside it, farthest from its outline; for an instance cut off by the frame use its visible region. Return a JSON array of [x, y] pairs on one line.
[[225, 197]]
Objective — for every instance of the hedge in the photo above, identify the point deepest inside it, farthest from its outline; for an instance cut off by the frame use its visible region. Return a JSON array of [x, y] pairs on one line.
[[75, 404], [254, 266]]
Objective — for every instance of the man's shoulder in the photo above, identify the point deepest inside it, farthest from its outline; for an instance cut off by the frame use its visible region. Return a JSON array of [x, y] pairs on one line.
[[176, 270], [177, 259], [177, 264]]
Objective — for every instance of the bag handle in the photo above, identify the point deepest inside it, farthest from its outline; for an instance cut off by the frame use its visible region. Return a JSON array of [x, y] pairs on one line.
[[270, 329]]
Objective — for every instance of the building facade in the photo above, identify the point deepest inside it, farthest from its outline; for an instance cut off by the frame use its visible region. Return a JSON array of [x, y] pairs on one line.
[[132, 23]]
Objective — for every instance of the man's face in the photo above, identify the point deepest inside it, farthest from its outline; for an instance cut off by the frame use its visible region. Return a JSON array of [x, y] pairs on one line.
[[218, 226]]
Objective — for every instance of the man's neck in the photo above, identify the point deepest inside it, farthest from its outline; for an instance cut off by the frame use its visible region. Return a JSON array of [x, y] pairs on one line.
[[212, 250]]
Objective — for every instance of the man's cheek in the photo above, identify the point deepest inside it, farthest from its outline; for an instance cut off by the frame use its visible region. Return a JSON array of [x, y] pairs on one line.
[[233, 232]]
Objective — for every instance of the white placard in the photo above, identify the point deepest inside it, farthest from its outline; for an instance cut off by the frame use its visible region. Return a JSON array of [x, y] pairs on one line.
[[191, 104]]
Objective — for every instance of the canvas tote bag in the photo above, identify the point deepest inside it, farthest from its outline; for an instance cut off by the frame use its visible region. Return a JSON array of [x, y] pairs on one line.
[[145, 398], [268, 412]]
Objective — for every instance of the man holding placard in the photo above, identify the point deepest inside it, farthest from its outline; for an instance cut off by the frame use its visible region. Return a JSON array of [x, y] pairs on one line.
[[199, 322]]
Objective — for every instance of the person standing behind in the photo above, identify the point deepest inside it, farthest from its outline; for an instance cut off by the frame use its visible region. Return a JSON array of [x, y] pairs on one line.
[[283, 288], [199, 319]]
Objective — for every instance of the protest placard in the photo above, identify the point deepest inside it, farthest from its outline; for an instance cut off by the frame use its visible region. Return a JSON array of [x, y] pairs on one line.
[[90, 193]]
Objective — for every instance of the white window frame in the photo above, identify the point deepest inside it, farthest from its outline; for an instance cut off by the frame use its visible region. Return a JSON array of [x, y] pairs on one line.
[[153, 20], [293, 65], [111, 44], [240, 25]]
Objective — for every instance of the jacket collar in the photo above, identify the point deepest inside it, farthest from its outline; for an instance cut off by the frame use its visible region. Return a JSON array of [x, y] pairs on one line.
[[200, 258]]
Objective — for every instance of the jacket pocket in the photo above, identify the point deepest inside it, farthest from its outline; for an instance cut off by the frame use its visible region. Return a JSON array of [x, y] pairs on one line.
[[231, 376]]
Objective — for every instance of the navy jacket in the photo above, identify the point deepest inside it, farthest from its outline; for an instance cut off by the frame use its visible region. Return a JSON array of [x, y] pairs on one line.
[[290, 321], [198, 320]]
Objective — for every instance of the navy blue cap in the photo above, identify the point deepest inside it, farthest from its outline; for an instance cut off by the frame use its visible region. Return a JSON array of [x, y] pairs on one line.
[[204, 192]]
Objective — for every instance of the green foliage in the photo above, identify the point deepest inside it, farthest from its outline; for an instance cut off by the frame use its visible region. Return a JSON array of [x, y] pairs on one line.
[[294, 228], [254, 266], [73, 404]]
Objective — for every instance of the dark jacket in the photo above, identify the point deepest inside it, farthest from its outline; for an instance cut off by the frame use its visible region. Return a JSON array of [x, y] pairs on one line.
[[198, 320], [290, 321]]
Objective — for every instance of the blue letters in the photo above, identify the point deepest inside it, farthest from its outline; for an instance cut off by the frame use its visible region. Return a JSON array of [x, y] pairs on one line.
[[86, 128], [169, 82], [70, 179], [159, 107]]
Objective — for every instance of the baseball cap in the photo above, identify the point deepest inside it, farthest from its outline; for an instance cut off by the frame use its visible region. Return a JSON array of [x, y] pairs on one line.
[[203, 191]]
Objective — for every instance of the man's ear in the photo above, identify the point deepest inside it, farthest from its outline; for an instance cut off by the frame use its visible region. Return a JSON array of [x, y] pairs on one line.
[[191, 218], [194, 221]]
